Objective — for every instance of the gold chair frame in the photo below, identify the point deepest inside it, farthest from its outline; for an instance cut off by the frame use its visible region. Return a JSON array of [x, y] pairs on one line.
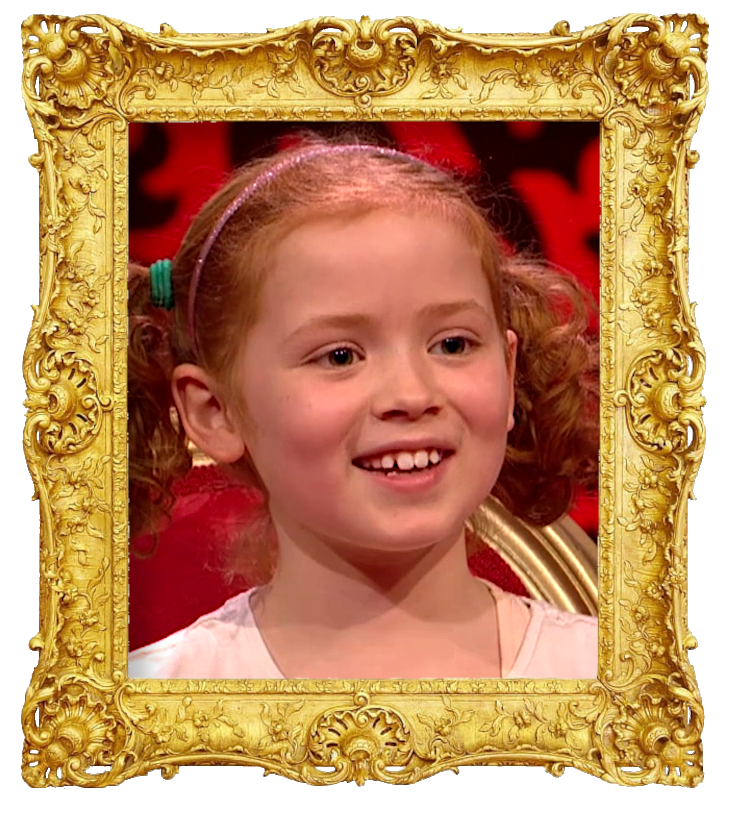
[[557, 563]]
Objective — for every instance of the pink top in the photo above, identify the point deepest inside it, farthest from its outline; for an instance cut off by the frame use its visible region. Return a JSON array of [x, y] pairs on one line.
[[537, 641]]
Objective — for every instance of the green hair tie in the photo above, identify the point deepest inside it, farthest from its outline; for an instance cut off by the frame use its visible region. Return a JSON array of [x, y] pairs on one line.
[[161, 279]]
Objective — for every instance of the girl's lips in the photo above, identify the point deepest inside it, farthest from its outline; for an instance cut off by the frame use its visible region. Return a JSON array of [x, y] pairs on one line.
[[411, 480]]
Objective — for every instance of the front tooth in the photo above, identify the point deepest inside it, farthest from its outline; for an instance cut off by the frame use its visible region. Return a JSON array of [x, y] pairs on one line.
[[387, 461], [421, 459], [405, 461], [434, 457]]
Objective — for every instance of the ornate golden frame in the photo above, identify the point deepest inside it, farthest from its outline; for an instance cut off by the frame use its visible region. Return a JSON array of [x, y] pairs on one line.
[[84, 79]]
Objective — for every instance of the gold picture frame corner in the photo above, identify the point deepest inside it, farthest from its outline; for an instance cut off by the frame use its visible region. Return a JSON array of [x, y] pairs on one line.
[[84, 79]]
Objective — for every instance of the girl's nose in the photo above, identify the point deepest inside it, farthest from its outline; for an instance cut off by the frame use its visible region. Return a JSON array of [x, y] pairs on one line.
[[406, 387]]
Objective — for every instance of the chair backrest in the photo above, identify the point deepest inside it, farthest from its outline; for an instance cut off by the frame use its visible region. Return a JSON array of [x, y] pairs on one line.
[[557, 563]]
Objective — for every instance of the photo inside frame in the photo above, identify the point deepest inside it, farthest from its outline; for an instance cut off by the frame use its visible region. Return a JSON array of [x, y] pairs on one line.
[[538, 182]]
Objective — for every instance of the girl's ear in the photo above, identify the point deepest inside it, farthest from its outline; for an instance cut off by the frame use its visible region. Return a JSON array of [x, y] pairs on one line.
[[511, 341], [205, 416]]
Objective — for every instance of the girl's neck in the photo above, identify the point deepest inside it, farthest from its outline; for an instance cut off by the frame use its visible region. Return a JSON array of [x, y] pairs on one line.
[[320, 585], [327, 613]]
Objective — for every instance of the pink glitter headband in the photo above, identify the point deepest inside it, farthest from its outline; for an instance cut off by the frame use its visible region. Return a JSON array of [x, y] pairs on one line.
[[257, 184]]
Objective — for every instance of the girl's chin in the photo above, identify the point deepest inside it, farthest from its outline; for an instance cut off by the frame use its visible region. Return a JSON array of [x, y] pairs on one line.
[[407, 543]]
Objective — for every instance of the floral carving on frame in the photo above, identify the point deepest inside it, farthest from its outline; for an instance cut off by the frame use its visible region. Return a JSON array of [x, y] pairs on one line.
[[644, 79]]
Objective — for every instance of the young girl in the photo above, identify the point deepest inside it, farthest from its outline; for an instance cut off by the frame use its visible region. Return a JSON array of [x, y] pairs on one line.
[[347, 335]]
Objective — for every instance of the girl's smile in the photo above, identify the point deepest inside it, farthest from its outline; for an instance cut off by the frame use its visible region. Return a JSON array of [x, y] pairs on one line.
[[412, 480], [377, 383]]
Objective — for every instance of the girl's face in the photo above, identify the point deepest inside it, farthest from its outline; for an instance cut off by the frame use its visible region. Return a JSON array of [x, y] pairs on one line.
[[376, 345]]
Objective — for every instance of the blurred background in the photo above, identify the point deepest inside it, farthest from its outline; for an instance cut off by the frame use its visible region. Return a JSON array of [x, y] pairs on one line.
[[540, 185]]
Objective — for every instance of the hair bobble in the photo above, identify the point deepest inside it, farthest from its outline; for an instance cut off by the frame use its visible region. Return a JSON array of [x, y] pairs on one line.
[[160, 273]]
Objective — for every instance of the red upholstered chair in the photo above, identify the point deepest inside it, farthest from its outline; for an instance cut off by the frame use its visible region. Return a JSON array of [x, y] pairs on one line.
[[185, 578]]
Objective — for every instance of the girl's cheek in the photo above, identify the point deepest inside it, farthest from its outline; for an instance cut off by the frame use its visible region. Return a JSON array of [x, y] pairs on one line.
[[482, 391], [312, 424]]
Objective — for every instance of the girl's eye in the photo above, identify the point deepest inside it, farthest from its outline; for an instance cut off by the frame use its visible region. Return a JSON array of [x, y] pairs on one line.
[[344, 357], [341, 357], [455, 346]]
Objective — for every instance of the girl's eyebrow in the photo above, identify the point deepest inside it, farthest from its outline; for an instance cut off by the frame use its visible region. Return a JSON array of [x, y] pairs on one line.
[[359, 319]]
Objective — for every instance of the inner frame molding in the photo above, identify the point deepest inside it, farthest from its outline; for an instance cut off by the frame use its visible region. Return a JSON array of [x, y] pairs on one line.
[[84, 79]]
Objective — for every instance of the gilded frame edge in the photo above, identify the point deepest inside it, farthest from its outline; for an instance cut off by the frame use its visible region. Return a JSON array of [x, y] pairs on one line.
[[644, 78]]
